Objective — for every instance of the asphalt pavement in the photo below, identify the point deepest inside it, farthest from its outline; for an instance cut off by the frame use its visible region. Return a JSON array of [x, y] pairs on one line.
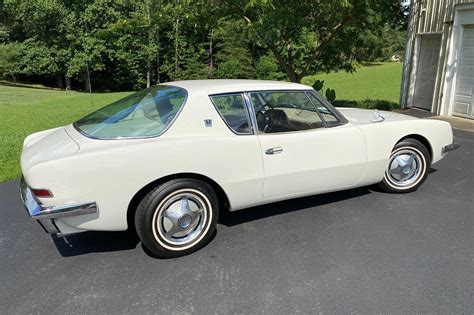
[[354, 251]]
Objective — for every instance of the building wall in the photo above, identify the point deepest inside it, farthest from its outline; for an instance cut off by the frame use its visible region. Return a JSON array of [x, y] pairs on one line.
[[428, 17], [434, 13]]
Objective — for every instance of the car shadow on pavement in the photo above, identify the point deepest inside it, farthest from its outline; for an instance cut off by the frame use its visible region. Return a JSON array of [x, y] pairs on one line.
[[95, 242], [273, 209]]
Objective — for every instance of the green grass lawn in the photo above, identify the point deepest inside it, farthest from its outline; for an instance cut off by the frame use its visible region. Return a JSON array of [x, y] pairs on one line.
[[375, 82], [25, 110], [28, 109]]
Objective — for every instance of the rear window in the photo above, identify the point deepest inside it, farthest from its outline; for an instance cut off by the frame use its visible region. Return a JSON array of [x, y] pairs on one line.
[[143, 114]]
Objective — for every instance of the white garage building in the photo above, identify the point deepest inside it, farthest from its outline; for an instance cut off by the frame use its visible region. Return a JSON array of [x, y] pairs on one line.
[[438, 70]]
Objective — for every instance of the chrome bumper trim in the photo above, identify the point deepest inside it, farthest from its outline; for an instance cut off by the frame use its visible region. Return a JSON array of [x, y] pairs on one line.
[[46, 215], [450, 147]]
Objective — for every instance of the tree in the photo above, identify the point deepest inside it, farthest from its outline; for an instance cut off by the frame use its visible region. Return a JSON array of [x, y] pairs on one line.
[[3, 23], [186, 36], [267, 68], [131, 44], [309, 36], [41, 25], [11, 60], [380, 45], [233, 57]]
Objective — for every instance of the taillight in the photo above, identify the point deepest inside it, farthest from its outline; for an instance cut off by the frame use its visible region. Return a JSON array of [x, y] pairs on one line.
[[42, 193]]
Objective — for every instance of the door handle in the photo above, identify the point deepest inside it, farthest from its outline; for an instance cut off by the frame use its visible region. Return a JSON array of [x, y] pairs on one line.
[[275, 150]]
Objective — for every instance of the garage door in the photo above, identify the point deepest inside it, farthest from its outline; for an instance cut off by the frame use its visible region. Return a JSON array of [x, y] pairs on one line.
[[427, 67], [463, 97]]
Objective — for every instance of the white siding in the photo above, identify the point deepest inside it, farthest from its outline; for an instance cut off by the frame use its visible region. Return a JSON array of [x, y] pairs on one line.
[[434, 13], [428, 17]]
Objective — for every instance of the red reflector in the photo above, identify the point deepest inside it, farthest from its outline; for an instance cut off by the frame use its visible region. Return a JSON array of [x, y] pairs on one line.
[[42, 193]]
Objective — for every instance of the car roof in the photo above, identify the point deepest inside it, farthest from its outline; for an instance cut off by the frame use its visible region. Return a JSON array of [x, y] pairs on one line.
[[231, 86]]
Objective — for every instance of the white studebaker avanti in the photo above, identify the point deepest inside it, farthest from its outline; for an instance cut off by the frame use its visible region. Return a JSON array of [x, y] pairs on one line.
[[168, 159]]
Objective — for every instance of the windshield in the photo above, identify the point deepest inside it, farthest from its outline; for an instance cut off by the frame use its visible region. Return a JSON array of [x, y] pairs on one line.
[[143, 114]]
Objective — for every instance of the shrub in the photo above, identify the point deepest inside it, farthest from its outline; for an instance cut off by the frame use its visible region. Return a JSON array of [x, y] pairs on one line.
[[367, 104]]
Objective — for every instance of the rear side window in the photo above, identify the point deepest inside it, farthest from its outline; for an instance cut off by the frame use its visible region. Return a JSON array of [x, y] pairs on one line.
[[232, 109]]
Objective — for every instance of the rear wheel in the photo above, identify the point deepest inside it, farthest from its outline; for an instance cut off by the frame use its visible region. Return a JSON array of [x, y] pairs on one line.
[[407, 168], [177, 217]]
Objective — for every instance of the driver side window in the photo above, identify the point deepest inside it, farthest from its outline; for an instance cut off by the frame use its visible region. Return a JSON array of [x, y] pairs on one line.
[[282, 111]]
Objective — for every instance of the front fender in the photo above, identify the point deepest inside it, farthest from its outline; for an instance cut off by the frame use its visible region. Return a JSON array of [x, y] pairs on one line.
[[382, 137]]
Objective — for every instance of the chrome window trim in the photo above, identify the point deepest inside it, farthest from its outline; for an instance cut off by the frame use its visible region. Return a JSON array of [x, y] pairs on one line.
[[249, 118], [317, 111], [251, 111], [274, 134], [341, 119], [141, 137]]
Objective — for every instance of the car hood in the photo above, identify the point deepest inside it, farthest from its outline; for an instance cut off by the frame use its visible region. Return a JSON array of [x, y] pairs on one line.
[[46, 146], [358, 116]]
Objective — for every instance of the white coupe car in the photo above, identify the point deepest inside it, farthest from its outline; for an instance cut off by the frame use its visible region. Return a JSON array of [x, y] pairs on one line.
[[168, 159]]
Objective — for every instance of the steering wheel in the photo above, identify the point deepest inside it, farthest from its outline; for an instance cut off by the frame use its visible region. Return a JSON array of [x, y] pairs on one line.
[[263, 119]]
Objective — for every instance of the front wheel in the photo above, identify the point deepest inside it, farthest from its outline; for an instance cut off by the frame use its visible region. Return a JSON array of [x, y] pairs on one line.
[[407, 168], [177, 217]]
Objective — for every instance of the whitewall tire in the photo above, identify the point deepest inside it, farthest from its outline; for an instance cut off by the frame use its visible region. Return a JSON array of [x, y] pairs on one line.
[[407, 168], [177, 217]]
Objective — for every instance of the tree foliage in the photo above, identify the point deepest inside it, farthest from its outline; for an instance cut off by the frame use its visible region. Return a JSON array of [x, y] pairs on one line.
[[311, 36], [11, 60], [127, 44], [380, 45]]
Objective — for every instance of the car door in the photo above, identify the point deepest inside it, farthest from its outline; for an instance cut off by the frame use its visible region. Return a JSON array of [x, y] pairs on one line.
[[306, 146]]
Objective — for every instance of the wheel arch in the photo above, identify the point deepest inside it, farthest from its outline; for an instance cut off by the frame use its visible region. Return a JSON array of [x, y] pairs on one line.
[[224, 202], [423, 140]]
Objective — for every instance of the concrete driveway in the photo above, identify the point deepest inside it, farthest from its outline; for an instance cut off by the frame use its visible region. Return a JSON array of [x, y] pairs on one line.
[[352, 251]]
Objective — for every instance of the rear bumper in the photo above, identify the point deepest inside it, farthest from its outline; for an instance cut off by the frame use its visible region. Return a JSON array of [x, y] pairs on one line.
[[450, 147], [46, 215]]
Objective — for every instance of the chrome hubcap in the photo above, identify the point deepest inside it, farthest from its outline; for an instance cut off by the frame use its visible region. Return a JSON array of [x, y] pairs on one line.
[[185, 221], [181, 218], [405, 167]]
